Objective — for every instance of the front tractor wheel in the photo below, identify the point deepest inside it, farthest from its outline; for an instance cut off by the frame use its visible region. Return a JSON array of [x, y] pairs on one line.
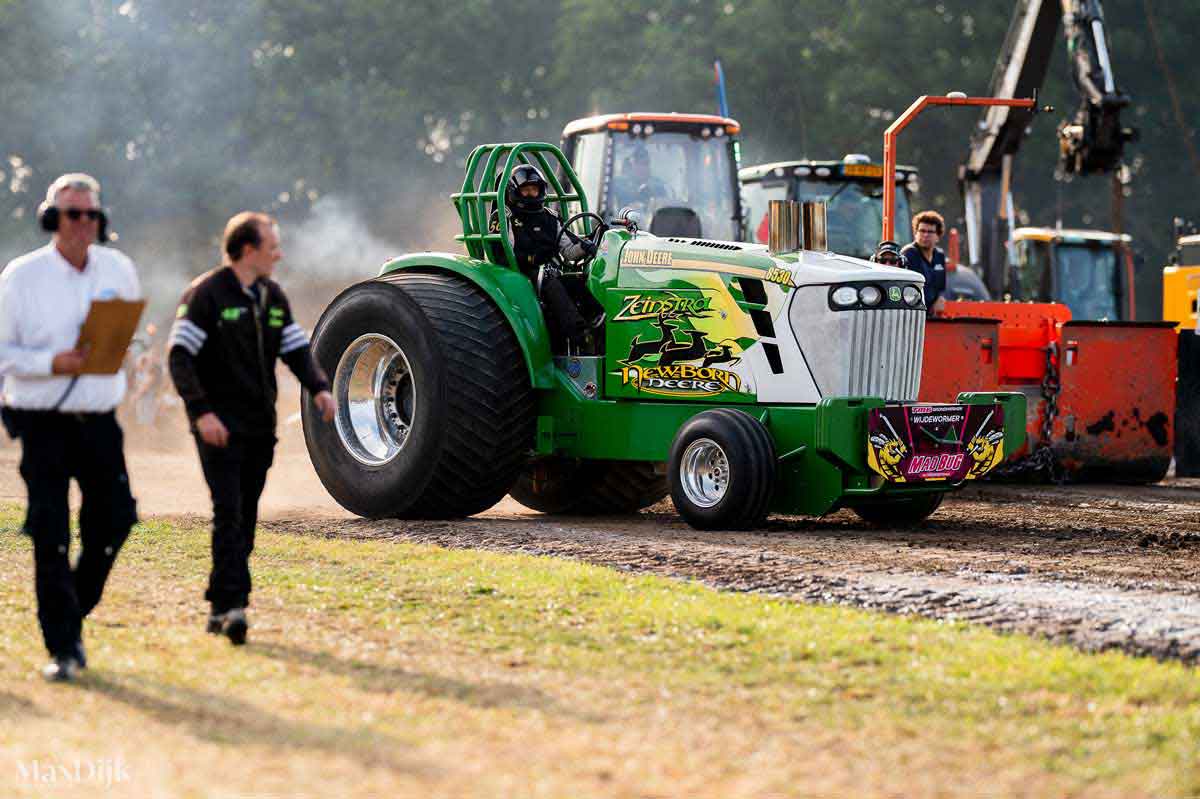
[[435, 413], [900, 512], [722, 470]]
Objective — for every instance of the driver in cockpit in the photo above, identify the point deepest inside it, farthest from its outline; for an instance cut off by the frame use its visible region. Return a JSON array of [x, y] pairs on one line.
[[541, 245], [638, 185]]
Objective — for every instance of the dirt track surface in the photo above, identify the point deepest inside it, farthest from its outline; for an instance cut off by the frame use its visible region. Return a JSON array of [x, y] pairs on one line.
[[1099, 567]]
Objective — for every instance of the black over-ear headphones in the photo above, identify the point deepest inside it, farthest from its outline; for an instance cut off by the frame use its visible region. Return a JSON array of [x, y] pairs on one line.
[[49, 215]]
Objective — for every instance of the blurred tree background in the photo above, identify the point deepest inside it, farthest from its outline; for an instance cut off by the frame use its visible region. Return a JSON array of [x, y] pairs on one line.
[[352, 120]]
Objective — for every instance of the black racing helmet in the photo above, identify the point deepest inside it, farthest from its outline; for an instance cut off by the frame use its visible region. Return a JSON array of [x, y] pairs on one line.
[[522, 175], [888, 253]]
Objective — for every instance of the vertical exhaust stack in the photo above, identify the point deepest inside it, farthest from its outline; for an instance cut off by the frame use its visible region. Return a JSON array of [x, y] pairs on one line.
[[816, 232], [783, 226]]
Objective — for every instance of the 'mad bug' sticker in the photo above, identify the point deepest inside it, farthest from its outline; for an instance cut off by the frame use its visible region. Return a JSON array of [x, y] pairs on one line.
[[924, 443]]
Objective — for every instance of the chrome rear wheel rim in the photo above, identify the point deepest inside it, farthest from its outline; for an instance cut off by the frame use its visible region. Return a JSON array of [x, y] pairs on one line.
[[376, 399]]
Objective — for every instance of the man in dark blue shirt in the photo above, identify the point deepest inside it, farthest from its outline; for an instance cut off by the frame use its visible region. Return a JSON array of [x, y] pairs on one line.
[[923, 256]]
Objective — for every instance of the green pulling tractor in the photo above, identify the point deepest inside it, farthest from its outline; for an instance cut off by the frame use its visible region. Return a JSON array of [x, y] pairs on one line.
[[741, 381]]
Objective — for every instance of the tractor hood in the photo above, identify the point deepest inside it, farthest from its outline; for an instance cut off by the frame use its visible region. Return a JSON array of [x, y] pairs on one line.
[[769, 323], [800, 268], [821, 268]]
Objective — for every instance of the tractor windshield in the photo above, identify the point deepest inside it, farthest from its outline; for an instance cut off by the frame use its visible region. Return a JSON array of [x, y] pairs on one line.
[[693, 177], [855, 213], [1089, 280]]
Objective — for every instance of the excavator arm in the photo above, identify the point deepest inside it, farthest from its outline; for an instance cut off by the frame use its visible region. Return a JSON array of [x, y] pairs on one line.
[[1092, 141]]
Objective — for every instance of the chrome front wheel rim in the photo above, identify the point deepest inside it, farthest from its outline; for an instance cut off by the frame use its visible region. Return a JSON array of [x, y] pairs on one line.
[[376, 399], [704, 473]]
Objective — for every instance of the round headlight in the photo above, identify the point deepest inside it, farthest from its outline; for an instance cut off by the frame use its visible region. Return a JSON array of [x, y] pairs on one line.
[[870, 295], [705, 133], [637, 129], [912, 295], [845, 296], [649, 129], [802, 171]]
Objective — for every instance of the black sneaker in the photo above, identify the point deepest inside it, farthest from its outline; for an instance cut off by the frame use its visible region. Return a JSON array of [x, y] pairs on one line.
[[235, 626], [215, 622], [80, 655], [62, 669]]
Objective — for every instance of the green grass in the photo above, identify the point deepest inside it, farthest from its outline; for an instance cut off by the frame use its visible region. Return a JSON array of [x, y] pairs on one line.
[[378, 667]]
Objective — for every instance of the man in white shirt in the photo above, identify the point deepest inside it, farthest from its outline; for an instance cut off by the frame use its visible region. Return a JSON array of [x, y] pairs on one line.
[[65, 420]]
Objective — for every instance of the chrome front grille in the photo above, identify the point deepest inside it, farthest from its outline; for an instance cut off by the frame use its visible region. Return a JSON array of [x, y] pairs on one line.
[[863, 352], [886, 347]]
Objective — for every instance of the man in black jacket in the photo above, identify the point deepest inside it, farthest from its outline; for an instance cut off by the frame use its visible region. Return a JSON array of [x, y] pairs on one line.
[[232, 323]]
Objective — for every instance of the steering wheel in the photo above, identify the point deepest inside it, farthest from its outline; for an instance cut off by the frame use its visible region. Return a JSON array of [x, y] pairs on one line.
[[589, 243]]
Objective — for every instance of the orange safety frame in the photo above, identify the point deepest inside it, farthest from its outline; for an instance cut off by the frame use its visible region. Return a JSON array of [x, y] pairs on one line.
[[889, 141]]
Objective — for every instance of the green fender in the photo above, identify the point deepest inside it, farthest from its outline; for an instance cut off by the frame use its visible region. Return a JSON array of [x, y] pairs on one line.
[[512, 293]]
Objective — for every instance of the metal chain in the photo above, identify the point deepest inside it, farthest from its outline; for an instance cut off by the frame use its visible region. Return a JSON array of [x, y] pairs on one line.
[[1050, 389], [1040, 461], [1042, 458]]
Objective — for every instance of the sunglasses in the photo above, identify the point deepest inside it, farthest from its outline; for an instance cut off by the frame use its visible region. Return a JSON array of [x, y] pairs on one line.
[[75, 214]]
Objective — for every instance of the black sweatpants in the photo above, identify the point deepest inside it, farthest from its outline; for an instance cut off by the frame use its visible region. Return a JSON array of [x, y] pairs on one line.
[[563, 318], [236, 474], [56, 447]]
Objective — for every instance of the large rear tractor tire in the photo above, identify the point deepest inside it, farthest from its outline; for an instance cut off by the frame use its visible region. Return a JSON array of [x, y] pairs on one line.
[[722, 470], [435, 414], [589, 487], [900, 512]]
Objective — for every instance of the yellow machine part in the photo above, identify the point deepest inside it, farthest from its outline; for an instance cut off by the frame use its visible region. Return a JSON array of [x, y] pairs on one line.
[[1180, 285]]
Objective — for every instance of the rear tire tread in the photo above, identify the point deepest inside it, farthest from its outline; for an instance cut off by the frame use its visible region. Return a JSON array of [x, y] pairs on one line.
[[490, 406], [625, 487], [604, 487]]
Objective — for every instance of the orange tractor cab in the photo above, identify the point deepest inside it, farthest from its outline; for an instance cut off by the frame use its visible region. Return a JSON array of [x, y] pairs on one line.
[[678, 170]]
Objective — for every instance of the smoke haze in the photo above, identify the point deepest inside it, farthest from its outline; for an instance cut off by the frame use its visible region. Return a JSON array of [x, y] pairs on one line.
[[350, 121]]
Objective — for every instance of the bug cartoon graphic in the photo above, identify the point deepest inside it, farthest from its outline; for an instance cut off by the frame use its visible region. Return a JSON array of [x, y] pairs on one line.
[[887, 452], [986, 450]]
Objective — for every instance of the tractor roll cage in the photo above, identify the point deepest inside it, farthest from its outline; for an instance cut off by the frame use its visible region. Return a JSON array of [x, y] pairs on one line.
[[477, 199]]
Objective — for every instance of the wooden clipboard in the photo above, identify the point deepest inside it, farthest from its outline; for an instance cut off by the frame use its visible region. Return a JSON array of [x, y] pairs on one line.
[[106, 334]]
